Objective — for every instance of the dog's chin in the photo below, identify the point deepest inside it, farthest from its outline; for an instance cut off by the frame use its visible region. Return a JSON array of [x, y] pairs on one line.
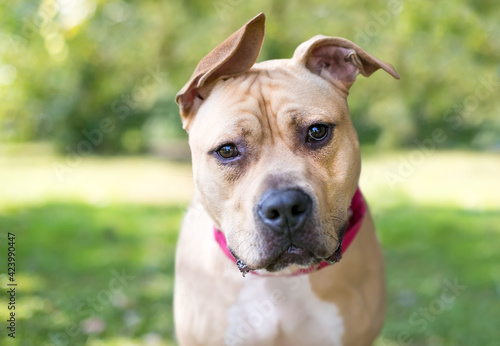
[[293, 256]]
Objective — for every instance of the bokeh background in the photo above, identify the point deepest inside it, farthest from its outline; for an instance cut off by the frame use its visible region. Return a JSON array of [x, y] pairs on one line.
[[95, 172]]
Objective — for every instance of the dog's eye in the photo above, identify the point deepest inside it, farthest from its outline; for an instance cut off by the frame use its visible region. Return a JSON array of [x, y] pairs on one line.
[[317, 132], [228, 151]]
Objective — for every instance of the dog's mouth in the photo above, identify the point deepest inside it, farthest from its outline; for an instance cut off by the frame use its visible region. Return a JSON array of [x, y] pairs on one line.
[[300, 257], [293, 256]]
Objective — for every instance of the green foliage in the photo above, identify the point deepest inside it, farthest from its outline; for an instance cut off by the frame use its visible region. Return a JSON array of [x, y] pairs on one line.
[[65, 67]]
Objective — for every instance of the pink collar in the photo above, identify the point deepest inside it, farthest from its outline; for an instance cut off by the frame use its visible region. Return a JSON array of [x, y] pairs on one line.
[[358, 208]]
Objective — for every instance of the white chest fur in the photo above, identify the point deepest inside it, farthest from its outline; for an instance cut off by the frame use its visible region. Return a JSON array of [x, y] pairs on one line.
[[282, 311]]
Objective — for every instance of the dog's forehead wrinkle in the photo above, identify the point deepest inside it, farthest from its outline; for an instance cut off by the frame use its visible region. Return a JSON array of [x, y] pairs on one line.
[[230, 122], [255, 86], [240, 127], [293, 90], [295, 114], [277, 99]]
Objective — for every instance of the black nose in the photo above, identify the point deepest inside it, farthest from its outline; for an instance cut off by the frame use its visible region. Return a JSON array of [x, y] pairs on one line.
[[284, 209]]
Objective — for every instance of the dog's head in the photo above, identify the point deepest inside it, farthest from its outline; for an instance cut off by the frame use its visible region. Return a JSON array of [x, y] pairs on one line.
[[275, 156]]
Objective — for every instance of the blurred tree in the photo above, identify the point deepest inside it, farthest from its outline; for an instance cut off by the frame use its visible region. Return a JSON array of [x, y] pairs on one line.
[[101, 76]]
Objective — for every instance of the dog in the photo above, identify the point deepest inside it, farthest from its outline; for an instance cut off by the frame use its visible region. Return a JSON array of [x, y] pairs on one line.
[[276, 165]]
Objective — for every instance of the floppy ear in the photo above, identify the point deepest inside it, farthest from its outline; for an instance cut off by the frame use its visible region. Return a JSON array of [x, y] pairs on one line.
[[235, 55], [339, 60]]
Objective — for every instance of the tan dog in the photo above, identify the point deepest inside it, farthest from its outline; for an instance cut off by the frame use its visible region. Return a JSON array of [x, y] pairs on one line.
[[276, 165]]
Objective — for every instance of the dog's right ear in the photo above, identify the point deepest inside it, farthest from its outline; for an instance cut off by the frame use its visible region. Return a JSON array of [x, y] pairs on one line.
[[235, 55]]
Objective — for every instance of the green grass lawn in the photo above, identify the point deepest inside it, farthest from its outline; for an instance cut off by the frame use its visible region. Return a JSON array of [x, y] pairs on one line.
[[427, 250], [108, 267], [97, 273]]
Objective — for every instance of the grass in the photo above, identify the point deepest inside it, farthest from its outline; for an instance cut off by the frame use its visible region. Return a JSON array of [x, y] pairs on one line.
[[79, 264], [99, 271], [426, 249]]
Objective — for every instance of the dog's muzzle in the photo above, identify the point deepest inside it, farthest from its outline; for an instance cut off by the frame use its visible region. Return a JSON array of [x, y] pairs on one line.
[[289, 233], [285, 215]]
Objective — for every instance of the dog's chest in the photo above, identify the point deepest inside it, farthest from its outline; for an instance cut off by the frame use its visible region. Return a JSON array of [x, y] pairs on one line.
[[282, 311]]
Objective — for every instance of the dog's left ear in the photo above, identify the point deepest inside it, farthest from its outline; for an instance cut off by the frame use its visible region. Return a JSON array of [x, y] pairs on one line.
[[339, 60]]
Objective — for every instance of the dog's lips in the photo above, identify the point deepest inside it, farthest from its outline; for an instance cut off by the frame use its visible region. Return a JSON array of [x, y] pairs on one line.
[[292, 249], [293, 255], [336, 257], [289, 254]]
